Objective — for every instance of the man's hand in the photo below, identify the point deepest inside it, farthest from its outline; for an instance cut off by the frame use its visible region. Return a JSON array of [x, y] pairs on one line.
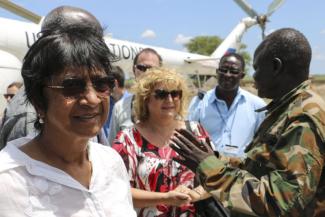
[[196, 194], [177, 198], [191, 150]]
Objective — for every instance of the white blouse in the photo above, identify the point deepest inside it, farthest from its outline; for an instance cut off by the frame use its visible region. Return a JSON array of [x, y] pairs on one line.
[[32, 188]]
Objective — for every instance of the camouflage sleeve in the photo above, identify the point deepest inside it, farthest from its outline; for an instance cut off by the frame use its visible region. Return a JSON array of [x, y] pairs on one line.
[[282, 191], [232, 161]]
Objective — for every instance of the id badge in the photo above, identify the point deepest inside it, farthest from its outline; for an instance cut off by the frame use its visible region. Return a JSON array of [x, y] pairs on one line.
[[231, 149]]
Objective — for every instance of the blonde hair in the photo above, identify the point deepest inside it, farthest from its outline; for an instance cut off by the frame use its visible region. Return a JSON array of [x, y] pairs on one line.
[[148, 81]]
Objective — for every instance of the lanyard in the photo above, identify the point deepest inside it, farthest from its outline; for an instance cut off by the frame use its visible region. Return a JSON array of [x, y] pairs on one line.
[[226, 121]]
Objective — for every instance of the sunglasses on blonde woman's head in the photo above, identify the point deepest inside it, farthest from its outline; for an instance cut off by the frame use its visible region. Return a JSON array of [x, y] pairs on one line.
[[76, 87], [163, 94]]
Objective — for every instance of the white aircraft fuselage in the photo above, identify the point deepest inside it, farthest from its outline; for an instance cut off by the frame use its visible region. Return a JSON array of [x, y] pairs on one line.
[[16, 37]]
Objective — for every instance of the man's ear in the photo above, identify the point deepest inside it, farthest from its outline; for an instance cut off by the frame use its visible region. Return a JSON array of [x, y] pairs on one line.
[[116, 84], [242, 75], [277, 66]]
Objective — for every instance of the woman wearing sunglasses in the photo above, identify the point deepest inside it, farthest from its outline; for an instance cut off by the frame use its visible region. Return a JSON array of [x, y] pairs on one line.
[[156, 179], [60, 172]]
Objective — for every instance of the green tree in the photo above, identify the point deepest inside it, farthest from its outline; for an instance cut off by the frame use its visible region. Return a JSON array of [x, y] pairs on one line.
[[246, 56], [205, 45]]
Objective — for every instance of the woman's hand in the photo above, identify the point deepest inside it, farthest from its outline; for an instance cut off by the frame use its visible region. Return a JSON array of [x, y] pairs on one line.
[[196, 194], [177, 198], [143, 198]]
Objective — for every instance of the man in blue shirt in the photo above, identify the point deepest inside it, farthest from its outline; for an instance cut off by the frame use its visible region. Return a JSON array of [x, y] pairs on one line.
[[227, 112]]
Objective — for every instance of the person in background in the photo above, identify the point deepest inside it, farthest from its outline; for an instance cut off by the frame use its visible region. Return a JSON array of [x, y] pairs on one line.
[[20, 116], [159, 105], [12, 89], [283, 174], [122, 112], [118, 92], [60, 172], [227, 112]]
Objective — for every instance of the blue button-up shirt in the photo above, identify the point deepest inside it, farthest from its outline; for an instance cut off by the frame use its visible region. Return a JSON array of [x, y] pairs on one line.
[[231, 129]]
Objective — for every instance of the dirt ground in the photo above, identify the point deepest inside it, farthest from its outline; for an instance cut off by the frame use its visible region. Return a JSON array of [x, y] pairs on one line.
[[320, 88]]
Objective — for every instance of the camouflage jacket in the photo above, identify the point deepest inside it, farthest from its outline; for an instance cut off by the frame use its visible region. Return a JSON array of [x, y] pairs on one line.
[[283, 174]]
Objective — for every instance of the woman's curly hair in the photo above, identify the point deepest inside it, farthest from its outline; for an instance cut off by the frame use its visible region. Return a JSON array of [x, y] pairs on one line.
[[145, 85]]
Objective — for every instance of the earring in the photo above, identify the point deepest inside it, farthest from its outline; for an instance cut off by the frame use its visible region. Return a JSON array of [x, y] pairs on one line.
[[40, 119]]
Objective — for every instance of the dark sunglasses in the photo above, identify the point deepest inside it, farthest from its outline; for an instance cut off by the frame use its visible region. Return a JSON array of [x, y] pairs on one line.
[[163, 94], [142, 67], [8, 95], [231, 71], [75, 87]]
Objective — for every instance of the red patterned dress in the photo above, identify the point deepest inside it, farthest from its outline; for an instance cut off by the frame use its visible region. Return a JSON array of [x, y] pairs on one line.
[[151, 168]]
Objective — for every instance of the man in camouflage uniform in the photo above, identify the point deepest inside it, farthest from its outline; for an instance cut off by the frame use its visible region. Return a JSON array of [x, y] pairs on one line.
[[283, 174]]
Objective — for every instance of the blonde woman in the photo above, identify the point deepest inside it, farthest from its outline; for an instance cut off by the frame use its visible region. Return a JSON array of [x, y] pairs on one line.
[[156, 179]]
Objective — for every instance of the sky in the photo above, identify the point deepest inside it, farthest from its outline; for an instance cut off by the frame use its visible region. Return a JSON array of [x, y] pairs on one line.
[[171, 23]]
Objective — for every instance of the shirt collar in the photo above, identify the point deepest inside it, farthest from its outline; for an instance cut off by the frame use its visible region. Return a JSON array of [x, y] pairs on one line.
[[287, 98], [126, 94], [213, 98], [11, 157]]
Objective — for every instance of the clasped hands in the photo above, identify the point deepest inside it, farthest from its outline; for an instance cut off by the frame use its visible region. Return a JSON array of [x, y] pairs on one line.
[[195, 194], [183, 195]]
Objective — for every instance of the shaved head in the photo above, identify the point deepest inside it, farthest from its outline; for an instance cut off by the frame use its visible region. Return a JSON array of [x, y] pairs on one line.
[[292, 47], [66, 16]]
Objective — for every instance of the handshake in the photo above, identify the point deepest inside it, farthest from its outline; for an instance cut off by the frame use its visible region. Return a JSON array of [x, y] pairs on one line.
[[195, 194], [183, 195]]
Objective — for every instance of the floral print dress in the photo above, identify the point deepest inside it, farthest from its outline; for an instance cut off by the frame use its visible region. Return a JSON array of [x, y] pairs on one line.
[[153, 169]]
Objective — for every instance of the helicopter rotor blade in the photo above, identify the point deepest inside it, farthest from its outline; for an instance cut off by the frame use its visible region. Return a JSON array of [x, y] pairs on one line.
[[20, 11], [274, 6], [262, 18], [247, 8]]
